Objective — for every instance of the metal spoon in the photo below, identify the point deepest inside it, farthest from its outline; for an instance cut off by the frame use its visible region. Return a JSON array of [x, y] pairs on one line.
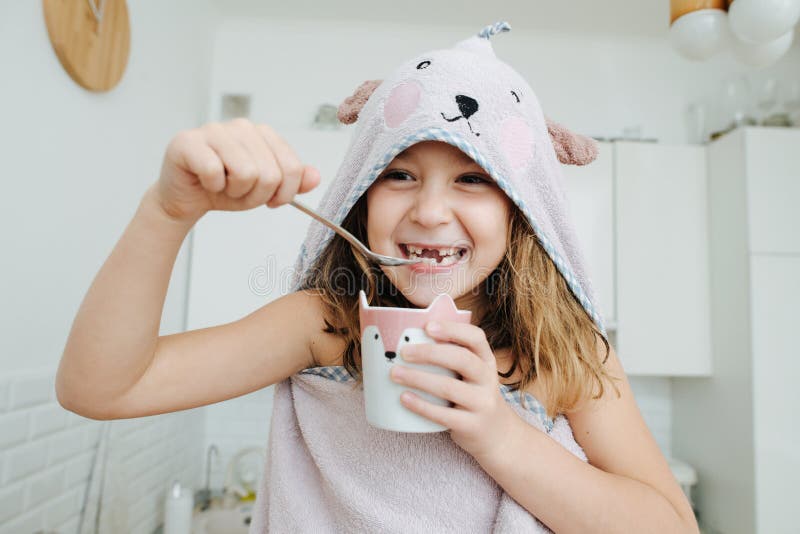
[[372, 256]]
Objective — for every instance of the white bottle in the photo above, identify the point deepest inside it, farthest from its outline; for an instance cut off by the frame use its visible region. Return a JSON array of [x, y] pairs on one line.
[[178, 508]]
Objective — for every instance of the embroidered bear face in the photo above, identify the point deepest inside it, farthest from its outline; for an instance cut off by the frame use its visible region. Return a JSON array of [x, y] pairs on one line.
[[467, 89], [483, 99]]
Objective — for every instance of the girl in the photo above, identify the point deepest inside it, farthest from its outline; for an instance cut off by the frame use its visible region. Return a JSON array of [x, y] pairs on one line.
[[451, 159]]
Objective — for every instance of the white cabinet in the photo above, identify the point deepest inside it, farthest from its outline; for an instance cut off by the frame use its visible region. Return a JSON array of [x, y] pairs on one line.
[[640, 213], [773, 183], [590, 191], [735, 427], [662, 259], [774, 293]]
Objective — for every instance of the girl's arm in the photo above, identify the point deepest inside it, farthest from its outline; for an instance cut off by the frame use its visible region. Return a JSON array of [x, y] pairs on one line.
[[116, 366], [114, 363], [627, 485]]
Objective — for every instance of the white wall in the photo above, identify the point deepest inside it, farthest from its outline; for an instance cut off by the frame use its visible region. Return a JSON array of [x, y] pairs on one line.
[[75, 165]]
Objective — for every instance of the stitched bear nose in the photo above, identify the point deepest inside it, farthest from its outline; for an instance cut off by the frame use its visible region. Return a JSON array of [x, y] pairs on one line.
[[466, 105], [391, 355]]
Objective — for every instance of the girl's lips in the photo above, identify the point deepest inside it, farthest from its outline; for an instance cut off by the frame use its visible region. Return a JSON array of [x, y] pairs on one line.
[[425, 267]]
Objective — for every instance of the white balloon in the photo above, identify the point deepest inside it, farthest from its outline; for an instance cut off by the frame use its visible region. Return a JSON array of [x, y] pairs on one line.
[[700, 34], [762, 21], [761, 55]]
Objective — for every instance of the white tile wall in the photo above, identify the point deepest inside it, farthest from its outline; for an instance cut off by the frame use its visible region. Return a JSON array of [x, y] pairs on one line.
[[47, 453], [654, 397], [235, 424]]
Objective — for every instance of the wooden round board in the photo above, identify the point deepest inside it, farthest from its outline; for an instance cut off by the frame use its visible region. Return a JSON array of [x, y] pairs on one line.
[[93, 53]]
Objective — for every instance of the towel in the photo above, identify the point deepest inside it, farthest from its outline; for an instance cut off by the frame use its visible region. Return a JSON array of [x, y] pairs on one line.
[[327, 469]]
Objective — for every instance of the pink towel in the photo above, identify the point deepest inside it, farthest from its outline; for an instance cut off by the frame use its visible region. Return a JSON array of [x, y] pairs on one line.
[[328, 470]]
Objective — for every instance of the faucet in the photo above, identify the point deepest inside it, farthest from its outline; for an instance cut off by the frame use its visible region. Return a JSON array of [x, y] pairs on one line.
[[203, 496]]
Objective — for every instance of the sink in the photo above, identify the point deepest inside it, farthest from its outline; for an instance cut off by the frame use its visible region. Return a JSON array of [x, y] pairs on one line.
[[223, 520]]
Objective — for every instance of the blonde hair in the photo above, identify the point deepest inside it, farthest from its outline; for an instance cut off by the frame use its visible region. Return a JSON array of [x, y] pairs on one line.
[[529, 309]]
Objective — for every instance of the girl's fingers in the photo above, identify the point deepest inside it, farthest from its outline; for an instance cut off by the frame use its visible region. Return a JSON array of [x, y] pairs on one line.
[[469, 336], [444, 415], [453, 357], [241, 169], [456, 391], [291, 168], [311, 179], [270, 174], [198, 158]]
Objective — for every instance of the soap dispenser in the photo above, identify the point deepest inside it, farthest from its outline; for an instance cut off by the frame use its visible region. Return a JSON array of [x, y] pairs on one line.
[[178, 508]]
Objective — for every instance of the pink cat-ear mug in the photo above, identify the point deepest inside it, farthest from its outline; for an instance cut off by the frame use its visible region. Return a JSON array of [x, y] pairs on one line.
[[384, 332]]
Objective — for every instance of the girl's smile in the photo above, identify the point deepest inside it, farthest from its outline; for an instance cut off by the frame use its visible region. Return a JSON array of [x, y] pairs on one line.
[[433, 201], [444, 257]]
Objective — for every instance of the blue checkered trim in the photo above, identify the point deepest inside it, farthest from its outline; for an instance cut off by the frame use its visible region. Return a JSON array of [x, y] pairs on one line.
[[494, 29], [334, 372], [439, 134], [530, 403], [339, 374]]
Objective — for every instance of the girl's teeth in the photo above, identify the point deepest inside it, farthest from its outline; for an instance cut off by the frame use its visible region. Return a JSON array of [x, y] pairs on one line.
[[449, 256], [449, 260], [442, 251]]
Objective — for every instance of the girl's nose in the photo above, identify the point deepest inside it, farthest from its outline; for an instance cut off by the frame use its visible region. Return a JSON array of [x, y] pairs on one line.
[[431, 208]]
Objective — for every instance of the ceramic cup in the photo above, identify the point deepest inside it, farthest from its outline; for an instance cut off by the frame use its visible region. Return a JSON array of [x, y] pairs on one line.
[[384, 331]]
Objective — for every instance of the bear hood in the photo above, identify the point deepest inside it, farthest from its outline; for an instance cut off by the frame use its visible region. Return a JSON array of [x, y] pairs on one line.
[[467, 97]]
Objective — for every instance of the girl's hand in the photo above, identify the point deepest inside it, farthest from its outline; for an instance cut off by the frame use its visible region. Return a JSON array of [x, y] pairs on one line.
[[230, 166], [481, 419]]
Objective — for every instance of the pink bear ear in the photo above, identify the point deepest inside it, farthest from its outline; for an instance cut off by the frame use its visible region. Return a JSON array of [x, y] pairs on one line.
[[351, 107], [571, 148]]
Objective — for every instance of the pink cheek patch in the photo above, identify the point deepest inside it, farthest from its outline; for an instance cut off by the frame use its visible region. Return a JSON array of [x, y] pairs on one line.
[[516, 140], [401, 103]]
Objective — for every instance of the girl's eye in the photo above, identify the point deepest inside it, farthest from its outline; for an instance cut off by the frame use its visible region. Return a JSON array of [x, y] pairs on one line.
[[474, 179], [396, 175], [401, 176]]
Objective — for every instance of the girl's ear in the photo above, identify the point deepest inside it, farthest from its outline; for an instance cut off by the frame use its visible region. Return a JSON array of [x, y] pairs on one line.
[[351, 107], [571, 148]]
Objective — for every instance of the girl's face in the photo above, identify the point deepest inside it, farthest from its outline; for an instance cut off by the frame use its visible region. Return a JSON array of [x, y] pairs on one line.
[[434, 201]]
